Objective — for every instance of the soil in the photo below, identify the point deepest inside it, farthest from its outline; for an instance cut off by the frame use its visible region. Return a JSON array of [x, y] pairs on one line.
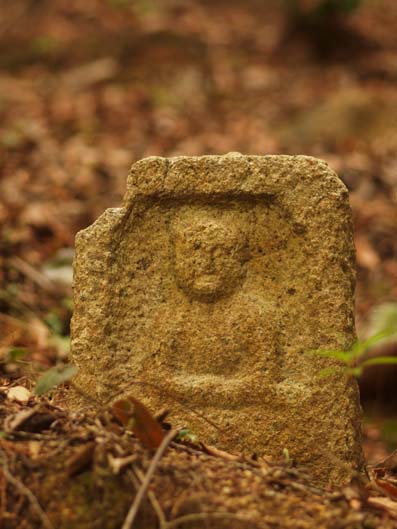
[[83, 470]]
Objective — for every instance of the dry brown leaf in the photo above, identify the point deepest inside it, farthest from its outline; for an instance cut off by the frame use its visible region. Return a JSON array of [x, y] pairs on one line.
[[366, 255], [384, 476], [135, 416]]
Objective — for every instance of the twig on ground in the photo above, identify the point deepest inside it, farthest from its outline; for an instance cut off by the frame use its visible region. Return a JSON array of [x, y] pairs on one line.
[[194, 517], [154, 502], [35, 275], [249, 464], [15, 321], [3, 495], [25, 492], [213, 451], [129, 520], [165, 524]]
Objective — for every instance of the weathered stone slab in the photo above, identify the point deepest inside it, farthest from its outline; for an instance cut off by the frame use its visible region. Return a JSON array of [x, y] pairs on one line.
[[204, 292]]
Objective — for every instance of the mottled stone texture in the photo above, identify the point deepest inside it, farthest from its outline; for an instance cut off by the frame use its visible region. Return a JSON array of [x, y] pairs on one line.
[[205, 291]]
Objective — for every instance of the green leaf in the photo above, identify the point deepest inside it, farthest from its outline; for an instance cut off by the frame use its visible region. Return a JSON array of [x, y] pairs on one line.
[[62, 343], [361, 346], [344, 356], [187, 435], [348, 357], [355, 371], [16, 353], [379, 360], [53, 377], [54, 322]]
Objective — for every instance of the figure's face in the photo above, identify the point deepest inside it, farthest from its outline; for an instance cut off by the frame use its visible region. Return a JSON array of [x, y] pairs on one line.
[[209, 256]]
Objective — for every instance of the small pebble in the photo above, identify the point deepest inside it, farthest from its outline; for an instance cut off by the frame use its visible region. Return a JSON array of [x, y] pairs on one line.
[[19, 394]]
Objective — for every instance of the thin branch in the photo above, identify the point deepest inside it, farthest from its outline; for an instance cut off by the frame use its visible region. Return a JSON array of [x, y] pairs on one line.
[[194, 517], [154, 501], [3, 495], [34, 502], [35, 275], [129, 520]]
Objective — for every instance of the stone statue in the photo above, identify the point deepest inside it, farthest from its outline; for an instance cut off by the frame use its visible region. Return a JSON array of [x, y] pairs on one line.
[[204, 294]]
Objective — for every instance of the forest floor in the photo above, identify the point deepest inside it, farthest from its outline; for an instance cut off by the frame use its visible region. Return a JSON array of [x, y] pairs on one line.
[[87, 88], [84, 470]]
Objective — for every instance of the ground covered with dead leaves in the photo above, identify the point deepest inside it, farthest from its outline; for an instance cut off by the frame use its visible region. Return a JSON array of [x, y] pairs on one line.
[[86, 89], [84, 470]]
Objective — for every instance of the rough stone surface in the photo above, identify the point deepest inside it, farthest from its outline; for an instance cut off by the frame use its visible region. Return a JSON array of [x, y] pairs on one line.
[[205, 291]]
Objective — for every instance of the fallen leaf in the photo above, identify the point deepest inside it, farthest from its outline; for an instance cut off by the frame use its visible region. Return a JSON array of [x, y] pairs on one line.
[[53, 377], [94, 72], [383, 476], [32, 420], [136, 417], [365, 253], [15, 422]]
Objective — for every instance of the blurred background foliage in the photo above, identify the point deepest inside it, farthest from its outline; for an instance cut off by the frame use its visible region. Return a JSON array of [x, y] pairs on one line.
[[321, 8], [87, 88]]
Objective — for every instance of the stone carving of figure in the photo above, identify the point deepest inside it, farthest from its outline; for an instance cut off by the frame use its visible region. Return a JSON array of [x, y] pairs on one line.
[[218, 330]]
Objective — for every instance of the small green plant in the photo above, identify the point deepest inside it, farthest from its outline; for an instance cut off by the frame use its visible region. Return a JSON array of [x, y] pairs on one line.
[[187, 435], [355, 360], [383, 328]]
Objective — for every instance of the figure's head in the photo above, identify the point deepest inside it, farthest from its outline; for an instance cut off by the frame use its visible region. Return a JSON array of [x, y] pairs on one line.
[[210, 251]]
